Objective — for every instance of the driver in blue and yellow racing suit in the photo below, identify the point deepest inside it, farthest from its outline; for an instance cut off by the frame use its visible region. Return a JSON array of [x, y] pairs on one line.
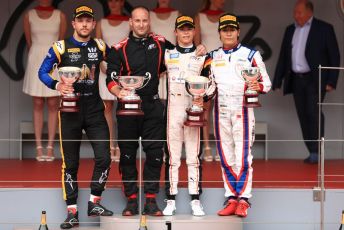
[[78, 51]]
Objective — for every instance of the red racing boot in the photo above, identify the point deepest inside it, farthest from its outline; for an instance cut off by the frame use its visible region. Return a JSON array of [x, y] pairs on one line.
[[230, 207], [242, 208]]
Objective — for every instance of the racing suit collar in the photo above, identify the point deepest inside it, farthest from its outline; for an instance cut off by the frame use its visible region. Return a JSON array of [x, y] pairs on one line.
[[77, 43], [185, 50], [227, 51], [136, 39]]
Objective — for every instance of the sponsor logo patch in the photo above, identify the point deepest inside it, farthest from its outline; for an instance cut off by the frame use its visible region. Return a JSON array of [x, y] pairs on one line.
[[92, 49], [151, 46], [73, 50], [74, 57], [175, 55], [173, 61], [92, 56]]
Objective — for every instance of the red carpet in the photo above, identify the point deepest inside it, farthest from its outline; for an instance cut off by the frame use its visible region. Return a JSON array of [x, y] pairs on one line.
[[266, 174]]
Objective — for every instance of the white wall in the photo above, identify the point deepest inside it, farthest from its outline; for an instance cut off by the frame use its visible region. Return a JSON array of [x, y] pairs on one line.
[[278, 110]]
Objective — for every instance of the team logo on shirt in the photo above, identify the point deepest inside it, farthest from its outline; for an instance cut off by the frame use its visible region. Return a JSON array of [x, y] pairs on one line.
[[74, 57], [92, 55], [92, 49], [175, 55], [151, 46]]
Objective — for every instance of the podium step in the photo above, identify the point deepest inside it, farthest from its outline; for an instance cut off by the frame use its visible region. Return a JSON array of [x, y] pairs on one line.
[[178, 222], [56, 228]]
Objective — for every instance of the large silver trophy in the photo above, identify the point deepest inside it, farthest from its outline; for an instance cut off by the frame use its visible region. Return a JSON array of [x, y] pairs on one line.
[[69, 75], [196, 86], [251, 96], [130, 105]]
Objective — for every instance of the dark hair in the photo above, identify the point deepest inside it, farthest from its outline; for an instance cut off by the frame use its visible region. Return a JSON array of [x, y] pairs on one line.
[[139, 7], [309, 5], [205, 5]]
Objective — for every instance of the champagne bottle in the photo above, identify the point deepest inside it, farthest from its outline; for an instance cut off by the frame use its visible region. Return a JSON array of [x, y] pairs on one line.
[[43, 225], [342, 223], [143, 223]]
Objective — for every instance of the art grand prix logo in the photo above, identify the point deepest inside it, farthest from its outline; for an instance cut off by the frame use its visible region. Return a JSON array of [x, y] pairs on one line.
[[249, 38], [17, 73]]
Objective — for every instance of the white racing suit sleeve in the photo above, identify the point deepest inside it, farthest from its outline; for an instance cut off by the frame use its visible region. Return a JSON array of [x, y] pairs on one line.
[[264, 81]]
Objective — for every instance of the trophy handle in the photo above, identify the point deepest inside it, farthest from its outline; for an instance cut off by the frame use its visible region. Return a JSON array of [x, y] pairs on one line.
[[146, 79], [114, 76], [211, 80], [84, 66], [188, 89], [55, 72], [55, 66]]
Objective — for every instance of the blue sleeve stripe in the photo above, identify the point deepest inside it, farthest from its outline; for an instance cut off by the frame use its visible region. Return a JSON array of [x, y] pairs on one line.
[[46, 69], [251, 54]]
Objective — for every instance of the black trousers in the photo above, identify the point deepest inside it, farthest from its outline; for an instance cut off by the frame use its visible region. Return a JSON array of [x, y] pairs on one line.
[[97, 131], [306, 97], [151, 127]]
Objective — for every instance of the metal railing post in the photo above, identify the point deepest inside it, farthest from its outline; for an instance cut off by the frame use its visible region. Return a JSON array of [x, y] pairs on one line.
[[322, 184], [140, 174]]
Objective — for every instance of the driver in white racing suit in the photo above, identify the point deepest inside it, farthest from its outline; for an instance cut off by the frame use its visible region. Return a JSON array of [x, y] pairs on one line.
[[180, 63], [233, 122]]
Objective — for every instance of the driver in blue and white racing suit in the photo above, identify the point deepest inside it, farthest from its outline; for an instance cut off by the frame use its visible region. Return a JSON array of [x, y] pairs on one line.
[[233, 122]]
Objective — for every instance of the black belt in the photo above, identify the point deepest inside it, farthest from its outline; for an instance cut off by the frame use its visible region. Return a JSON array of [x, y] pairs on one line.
[[301, 74], [150, 97]]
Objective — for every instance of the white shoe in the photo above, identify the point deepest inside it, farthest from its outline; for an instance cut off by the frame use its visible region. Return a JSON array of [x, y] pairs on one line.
[[170, 208], [197, 208]]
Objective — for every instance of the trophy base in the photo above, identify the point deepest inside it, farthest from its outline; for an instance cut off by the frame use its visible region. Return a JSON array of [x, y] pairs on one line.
[[68, 105], [130, 108], [69, 109], [195, 118], [251, 101], [195, 123], [127, 112]]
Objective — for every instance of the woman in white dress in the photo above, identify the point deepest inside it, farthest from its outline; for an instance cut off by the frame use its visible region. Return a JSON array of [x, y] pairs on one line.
[[206, 33], [162, 19], [42, 26], [112, 29]]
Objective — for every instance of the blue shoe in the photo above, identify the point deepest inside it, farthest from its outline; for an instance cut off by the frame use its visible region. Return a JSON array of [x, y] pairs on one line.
[[312, 159]]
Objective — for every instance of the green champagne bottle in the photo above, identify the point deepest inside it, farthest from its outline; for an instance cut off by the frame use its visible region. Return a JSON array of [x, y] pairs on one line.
[[43, 225], [143, 223]]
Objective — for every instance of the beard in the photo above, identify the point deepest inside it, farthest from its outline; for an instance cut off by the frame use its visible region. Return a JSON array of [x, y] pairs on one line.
[[83, 35]]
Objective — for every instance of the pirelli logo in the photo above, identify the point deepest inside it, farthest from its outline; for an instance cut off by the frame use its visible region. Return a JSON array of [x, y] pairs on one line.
[[73, 50], [185, 18], [83, 8], [228, 18]]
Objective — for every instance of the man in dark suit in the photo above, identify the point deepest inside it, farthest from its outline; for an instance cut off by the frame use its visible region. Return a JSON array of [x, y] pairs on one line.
[[308, 43]]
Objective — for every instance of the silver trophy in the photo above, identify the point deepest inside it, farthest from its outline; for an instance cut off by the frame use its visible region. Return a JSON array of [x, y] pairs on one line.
[[251, 96], [69, 75], [196, 86], [130, 105]]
